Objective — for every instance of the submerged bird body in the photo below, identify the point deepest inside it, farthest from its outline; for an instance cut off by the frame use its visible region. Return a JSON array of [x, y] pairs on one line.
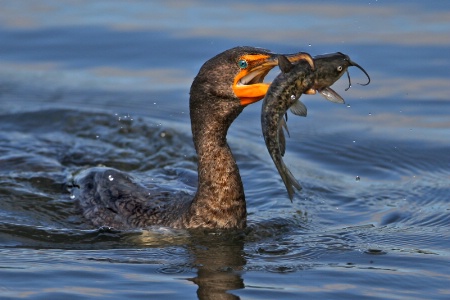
[[224, 85], [109, 197], [284, 93]]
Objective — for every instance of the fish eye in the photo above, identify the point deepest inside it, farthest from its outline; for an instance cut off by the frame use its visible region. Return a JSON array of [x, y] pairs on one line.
[[339, 68], [242, 64]]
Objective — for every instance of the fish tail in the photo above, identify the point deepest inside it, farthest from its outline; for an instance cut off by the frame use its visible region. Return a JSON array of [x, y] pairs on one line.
[[289, 180]]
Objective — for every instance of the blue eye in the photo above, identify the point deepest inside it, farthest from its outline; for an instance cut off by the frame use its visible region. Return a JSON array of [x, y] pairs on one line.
[[242, 64]]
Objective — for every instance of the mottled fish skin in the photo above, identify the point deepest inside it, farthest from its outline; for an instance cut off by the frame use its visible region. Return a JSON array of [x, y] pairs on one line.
[[284, 91]]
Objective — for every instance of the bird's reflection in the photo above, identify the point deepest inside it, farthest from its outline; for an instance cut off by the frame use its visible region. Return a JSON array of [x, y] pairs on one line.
[[219, 258]]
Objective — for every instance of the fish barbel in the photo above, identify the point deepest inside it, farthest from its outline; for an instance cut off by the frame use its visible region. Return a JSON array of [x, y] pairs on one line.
[[284, 93], [328, 69]]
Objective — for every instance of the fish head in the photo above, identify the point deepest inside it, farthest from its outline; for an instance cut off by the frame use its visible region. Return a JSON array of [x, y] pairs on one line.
[[330, 67]]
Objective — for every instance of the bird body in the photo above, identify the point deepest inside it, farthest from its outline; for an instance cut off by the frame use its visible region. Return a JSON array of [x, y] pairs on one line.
[[224, 85]]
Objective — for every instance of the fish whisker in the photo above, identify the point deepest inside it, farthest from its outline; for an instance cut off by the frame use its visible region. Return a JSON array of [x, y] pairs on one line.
[[349, 81], [364, 71]]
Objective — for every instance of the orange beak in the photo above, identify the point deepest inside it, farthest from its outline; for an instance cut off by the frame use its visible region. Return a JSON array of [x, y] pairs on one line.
[[248, 84]]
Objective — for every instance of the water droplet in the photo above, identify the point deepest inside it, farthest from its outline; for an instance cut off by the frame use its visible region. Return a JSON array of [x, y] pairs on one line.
[[110, 178], [309, 45], [370, 114], [97, 136], [72, 196], [162, 134], [293, 97], [348, 105], [354, 141], [358, 178]]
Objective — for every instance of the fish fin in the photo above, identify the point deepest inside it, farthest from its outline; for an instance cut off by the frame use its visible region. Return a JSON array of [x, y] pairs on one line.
[[329, 94], [284, 125], [284, 64], [289, 180], [281, 136], [299, 109], [310, 92], [281, 141]]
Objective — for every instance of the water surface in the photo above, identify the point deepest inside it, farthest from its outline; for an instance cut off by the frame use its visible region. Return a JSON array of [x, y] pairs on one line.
[[106, 83]]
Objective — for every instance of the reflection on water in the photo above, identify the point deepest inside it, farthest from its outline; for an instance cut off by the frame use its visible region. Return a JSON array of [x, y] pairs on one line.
[[85, 84], [219, 260]]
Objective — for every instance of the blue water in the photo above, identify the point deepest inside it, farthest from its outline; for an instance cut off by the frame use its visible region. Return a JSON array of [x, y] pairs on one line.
[[87, 83]]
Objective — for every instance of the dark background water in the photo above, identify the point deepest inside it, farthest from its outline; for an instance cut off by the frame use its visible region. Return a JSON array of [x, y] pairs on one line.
[[85, 83]]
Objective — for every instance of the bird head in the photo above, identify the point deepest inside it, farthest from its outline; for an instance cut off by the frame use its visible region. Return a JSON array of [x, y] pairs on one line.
[[237, 74]]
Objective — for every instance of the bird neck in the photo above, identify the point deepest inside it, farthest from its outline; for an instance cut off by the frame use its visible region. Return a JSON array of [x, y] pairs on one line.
[[220, 200]]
